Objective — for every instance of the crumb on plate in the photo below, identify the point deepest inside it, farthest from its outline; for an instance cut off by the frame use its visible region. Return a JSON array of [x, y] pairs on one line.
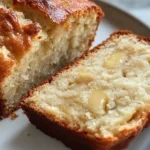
[[14, 116]]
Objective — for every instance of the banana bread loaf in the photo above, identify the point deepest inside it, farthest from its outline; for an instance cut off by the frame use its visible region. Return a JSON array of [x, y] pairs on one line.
[[101, 101], [37, 38]]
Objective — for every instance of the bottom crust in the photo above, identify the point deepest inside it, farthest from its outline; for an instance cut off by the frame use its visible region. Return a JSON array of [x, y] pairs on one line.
[[7, 112], [2, 107], [76, 140]]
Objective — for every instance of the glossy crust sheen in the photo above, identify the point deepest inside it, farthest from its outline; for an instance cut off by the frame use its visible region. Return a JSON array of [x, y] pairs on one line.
[[74, 138], [57, 10], [16, 38]]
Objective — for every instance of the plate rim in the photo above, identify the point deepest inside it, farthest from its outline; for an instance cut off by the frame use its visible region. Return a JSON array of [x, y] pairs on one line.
[[122, 11]]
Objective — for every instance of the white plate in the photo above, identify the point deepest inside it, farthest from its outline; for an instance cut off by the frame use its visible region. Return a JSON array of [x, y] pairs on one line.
[[21, 135]]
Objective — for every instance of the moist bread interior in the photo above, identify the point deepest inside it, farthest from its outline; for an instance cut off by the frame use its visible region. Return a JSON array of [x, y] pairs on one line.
[[103, 94], [51, 48]]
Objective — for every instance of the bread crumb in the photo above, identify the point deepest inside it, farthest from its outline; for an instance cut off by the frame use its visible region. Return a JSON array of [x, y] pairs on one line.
[[14, 116]]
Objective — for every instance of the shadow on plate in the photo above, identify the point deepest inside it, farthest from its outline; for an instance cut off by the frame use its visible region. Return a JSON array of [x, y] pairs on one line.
[[32, 139]]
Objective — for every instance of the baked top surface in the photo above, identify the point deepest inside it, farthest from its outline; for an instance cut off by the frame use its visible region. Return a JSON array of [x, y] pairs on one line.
[[14, 36], [56, 10]]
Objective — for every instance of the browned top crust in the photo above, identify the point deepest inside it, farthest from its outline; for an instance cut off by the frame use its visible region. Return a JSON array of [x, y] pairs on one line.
[[56, 10], [5, 66], [15, 37]]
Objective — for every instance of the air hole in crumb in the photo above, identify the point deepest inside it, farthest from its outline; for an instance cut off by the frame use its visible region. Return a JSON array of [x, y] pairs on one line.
[[148, 59], [39, 37], [70, 83], [106, 109], [147, 90], [124, 74], [135, 116]]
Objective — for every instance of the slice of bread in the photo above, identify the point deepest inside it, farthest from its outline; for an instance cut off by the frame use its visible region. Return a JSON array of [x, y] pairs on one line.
[[37, 38], [101, 101]]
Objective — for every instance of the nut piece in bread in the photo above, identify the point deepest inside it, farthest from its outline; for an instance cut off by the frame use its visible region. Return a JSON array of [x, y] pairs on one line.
[[37, 38], [105, 113]]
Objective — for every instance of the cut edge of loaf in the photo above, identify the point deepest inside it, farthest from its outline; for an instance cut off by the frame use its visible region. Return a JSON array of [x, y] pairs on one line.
[[78, 139], [4, 110]]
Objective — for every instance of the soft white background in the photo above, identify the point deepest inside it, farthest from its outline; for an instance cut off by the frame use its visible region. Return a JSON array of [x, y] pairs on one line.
[[138, 8]]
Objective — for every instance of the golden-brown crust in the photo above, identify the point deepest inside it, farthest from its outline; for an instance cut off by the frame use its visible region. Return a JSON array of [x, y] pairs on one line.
[[57, 10], [5, 65], [15, 37], [5, 70], [81, 140]]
